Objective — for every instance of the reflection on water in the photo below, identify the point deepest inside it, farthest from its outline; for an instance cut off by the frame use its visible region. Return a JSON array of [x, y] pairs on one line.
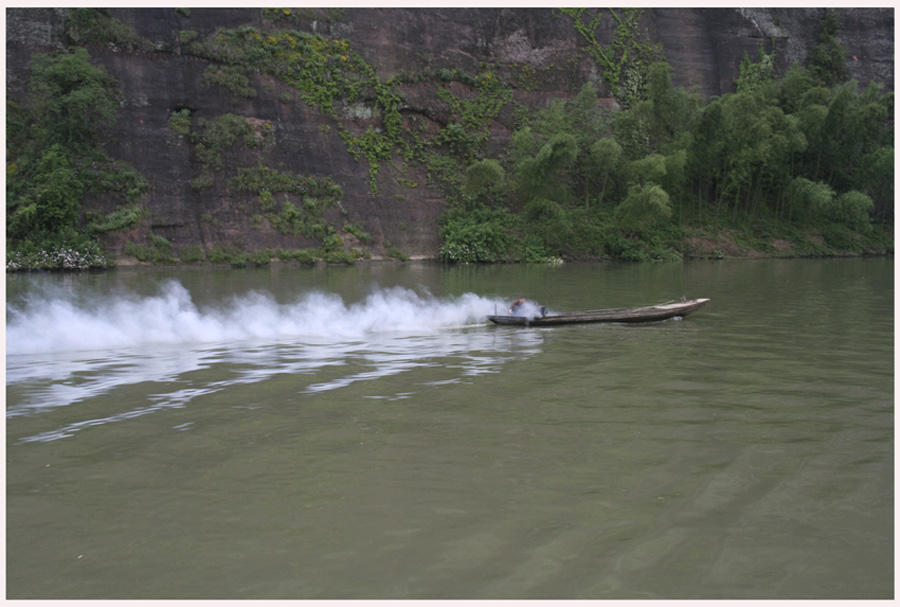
[[162, 341]]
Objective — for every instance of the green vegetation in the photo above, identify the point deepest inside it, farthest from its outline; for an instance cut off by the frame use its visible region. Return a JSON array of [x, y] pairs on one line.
[[303, 256], [80, 255], [159, 250], [191, 253], [55, 161], [314, 196], [328, 75], [325, 72], [119, 220], [187, 36], [215, 137], [96, 26], [232, 77], [361, 235], [624, 63], [803, 157], [180, 121]]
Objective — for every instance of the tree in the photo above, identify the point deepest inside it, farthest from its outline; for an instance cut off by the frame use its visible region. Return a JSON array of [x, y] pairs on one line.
[[645, 207], [649, 169], [875, 176], [826, 59], [606, 158], [752, 76], [55, 158], [542, 174], [663, 121], [72, 99], [53, 200], [483, 179]]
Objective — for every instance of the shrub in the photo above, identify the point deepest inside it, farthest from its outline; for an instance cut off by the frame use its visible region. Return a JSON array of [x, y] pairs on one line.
[[483, 235], [645, 207], [303, 256], [232, 77], [262, 257], [180, 121], [96, 26], [841, 237], [852, 209], [158, 251], [339, 257], [215, 137], [120, 219], [222, 254], [484, 178], [191, 253], [394, 253], [807, 198], [361, 235], [77, 254], [202, 181]]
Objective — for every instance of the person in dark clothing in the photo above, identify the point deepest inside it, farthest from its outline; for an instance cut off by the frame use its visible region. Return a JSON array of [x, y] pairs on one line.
[[523, 307]]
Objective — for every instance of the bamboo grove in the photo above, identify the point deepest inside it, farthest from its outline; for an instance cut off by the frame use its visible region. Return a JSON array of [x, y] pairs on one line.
[[806, 156]]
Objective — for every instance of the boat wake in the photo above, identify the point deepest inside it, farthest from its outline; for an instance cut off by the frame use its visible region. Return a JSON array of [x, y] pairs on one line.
[[131, 356], [56, 324]]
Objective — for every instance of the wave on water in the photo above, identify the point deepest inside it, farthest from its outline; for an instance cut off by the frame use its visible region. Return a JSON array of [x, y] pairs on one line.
[[46, 324]]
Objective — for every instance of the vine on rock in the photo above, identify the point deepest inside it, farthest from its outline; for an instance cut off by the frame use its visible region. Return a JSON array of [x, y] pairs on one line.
[[626, 59]]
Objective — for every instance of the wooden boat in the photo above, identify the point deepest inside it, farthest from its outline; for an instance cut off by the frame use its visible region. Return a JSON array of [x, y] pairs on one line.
[[658, 312]]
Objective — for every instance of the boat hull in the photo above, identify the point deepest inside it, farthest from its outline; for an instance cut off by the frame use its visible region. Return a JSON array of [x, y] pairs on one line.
[[625, 315]]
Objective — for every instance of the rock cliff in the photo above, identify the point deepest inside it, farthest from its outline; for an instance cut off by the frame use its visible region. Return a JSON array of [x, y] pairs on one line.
[[535, 50]]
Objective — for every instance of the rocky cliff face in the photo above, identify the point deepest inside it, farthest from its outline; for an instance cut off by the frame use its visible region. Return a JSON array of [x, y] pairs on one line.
[[536, 50]]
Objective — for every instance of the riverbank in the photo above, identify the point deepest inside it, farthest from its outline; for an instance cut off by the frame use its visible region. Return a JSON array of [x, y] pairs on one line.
[[698, 243]]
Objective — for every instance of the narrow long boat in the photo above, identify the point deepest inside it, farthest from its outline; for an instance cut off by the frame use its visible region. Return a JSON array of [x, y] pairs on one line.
[[655, 313]]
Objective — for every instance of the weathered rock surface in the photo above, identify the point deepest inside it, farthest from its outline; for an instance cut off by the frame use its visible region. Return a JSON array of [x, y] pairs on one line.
[[703, 47]]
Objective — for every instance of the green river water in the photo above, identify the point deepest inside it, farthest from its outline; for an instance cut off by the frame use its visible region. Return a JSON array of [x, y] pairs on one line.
[[363, 432]]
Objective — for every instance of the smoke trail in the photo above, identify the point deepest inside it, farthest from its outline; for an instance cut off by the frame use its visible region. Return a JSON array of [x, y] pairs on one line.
[[58, 324]]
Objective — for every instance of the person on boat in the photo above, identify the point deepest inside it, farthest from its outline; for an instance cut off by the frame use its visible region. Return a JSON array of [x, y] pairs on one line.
[[523, 307]]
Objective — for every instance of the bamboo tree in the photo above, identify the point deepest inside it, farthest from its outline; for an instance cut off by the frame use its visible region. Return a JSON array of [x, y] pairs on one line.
[[606, 156]]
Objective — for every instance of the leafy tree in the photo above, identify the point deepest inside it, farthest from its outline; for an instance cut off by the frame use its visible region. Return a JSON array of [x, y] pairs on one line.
[[852, 209], [542, 174], [645, 207], [752, 76], [649, 169], [875, 176], [53, 201], [826, 59], [752, 145], [792, 88], [661, 122], [806, 198], [483, 180], [55, 159], [606, 158], [72, 99]]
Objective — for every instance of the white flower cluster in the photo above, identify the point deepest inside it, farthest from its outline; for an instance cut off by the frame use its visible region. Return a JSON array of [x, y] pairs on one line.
[[55, 259], [464, 253]]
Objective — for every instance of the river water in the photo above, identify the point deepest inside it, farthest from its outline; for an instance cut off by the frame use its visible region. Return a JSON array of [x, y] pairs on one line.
[[362, 432]]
